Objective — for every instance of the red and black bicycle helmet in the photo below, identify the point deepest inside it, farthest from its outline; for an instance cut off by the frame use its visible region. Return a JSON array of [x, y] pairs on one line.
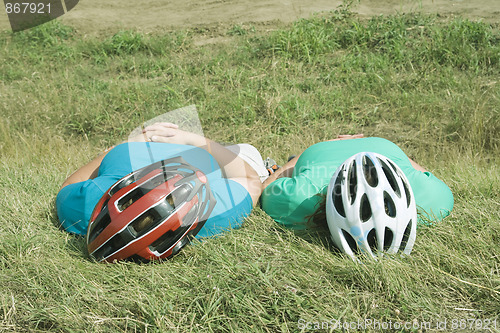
[[151, 213]]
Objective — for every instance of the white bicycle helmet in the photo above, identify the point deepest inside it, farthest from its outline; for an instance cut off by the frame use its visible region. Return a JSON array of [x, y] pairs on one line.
[[370, 207]]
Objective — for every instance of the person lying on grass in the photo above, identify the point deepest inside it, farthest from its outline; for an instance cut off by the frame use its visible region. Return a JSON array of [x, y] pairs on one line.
[[362, 197], [144, 199]]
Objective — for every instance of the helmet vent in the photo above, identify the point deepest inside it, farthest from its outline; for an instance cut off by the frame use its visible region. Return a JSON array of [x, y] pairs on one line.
[[393, 166], [371, 238], [353, 184], [370, 172], [100, 223], [123, 183], [170, 201], [179, 195], [190, 217], [144, 222], [351, 242], [365, 210], [163, 243], [406, 236], [407, 193], [390, 178], [116, 243], [337, 195], [187, 171], [390, 207], [388, 237], [139, 192], [373, 241], [127, 200], [167, 240], [182, 243], [204, 202]]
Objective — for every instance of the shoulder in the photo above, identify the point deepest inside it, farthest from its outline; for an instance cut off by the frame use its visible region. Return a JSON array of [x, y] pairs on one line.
[[75, 202], [433, 197], [233, 204], [325, 157], [351, 146]]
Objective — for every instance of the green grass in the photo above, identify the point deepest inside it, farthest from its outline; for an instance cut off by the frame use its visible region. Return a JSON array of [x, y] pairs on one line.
[[430, 84]]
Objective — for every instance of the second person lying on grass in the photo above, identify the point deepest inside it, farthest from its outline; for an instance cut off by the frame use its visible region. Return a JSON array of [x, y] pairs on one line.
[[366, 190]]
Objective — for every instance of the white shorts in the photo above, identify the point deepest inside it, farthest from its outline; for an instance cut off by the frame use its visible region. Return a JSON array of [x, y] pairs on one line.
[[251, 155]]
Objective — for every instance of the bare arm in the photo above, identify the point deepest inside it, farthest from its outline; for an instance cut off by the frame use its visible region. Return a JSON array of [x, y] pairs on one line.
[[88, 171], [416, 166], [285, 171], [235, 168]]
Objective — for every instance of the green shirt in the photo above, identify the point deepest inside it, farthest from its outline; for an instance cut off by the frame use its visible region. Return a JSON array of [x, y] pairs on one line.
[[290, 201]]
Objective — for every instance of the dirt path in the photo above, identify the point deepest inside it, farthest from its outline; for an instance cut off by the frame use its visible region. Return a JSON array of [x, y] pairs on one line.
[[91, 16]]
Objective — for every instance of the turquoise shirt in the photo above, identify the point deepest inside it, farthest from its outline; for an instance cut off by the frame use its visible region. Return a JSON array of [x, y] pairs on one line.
[[290, 201], [76, 202]]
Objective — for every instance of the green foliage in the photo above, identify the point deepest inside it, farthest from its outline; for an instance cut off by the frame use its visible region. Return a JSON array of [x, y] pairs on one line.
[[240, 30], [36, 46], [133, 42], [48, 34], [124, 42], [402, 39]]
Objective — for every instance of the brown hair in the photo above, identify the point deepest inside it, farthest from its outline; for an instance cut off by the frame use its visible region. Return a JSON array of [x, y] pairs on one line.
[[317, 227], [317, 220]]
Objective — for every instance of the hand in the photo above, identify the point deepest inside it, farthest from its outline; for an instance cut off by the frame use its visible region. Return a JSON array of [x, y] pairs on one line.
[[165, 130], [348, 137], [170, 133], [146, 137]]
